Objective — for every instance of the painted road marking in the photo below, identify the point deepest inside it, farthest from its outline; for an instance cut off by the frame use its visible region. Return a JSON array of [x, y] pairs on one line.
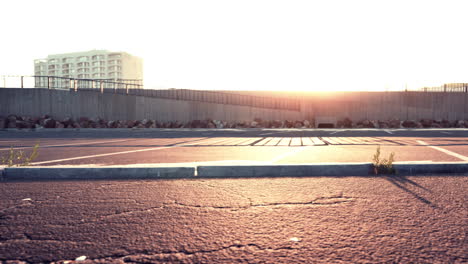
[[250, 141], [101, 155], [388, 131], [274, 142], [287, 154], [317, 141], [296, 141], [284, 142], [263, 141], [448, 152], [307, 141], [330, 141], [108, 154], [72, 144], [443, 132], [338, 131]]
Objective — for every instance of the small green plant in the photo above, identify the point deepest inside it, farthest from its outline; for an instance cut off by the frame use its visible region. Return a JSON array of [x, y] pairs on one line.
[[19, 158], [383, 166]]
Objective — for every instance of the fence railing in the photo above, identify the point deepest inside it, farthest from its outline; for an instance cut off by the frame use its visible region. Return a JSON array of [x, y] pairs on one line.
[[448, 88], [132, 88], [55, 82]]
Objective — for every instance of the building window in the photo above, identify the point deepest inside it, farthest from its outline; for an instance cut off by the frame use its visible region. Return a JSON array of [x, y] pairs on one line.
[[114, 56], [83, 64]]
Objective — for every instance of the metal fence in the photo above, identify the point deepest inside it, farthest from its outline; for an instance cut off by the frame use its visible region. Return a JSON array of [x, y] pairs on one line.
[[55, 82], [447, 88], [132, 87]]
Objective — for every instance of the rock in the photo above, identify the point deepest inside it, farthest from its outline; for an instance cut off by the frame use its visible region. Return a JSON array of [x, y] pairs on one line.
[[265, 124], [253, 124], [121, 124], [218, 124], [306, 123], [276, 124], [147, 123], [22, 124], [409, 124], [92, 124], [383, 124], [347, 123], [460, 123], [445, 123], [366, 123], [59, 125], [394, 123], [84, 124], [196, 124], [3, 122], [49, 123], [11, 119], [67, 121], [112, 124], [298, 124], [130, 123], [426, 123]]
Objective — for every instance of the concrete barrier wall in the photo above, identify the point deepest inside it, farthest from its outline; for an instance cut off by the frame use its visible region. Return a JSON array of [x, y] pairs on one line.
[[386, 105], [355, 105], [61, 104]]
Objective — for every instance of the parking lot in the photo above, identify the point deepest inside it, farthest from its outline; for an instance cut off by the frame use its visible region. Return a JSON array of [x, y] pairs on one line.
[[183, 147]]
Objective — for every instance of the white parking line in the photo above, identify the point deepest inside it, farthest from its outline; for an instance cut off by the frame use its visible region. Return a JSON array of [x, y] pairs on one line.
[[101, 155], [9, 141], [448, 152], [72, 144], [287, 154]]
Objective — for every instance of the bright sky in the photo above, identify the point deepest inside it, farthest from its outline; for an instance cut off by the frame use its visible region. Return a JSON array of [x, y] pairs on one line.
[[251, 45]]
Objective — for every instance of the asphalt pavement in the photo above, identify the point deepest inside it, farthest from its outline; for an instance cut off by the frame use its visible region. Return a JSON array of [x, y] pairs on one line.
[[270, 220], [180, 147]]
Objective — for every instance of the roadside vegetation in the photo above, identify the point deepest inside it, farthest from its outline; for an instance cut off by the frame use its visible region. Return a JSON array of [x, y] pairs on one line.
[[19, 158], [383, 166]]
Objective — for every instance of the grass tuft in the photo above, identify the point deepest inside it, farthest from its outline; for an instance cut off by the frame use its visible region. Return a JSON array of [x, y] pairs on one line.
[[19, 158], [383, 166]]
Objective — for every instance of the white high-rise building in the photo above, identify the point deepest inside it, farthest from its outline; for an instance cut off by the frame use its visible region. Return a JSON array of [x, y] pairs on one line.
[[94, 64]]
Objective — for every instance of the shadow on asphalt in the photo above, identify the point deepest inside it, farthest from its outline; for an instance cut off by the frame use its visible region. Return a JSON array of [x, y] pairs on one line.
[[401, 181]]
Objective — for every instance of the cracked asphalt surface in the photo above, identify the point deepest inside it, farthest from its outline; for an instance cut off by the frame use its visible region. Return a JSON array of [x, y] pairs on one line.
[[394, 219]]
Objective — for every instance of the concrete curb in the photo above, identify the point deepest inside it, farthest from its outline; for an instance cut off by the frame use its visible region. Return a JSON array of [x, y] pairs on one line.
[[227, 171], [355, 169], [71, 173], [431, 168]]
